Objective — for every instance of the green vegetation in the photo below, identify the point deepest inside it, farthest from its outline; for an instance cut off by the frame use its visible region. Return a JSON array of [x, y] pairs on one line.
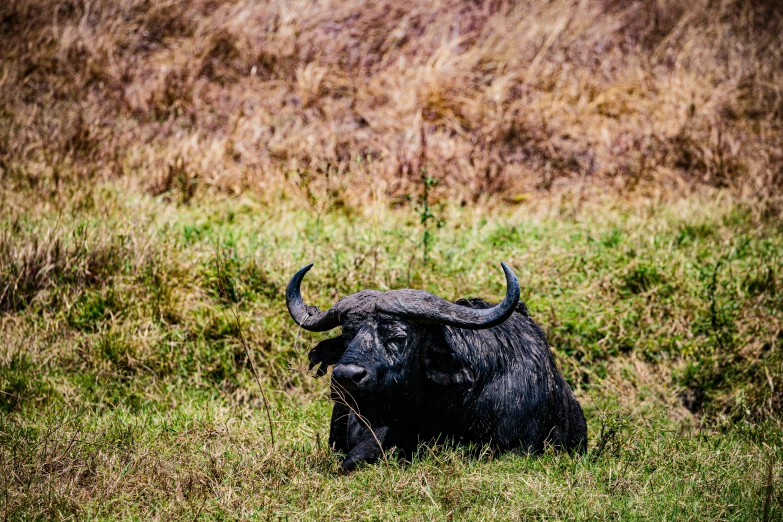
[[126, 390]]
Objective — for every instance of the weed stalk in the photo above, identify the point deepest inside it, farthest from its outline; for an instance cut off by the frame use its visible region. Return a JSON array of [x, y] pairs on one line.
[[425, 213], [242, 340]]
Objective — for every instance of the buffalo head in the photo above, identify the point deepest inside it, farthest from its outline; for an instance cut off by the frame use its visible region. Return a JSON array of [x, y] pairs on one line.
[[390, 340]]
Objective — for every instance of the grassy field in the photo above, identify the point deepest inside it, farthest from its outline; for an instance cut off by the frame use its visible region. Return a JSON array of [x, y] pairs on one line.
[[127, 393], [166, 166]]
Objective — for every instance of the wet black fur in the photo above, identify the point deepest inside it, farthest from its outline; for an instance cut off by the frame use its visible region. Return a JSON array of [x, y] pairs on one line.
[[497, 386]]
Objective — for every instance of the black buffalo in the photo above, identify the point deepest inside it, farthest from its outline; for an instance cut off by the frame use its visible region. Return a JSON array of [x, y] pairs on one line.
[[410, 366]]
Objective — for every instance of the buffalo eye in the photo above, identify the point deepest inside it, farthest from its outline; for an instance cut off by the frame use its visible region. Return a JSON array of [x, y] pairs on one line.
[[394, 333], [398, 336]]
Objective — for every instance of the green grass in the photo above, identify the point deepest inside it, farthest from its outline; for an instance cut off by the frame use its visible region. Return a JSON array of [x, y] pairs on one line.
[[125, 391]]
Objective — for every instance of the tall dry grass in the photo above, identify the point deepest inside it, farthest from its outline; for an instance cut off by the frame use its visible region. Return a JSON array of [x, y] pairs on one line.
[[492, 97]]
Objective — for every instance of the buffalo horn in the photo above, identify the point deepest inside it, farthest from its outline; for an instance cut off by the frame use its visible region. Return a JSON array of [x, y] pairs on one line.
[[308, 317], [425, 307]]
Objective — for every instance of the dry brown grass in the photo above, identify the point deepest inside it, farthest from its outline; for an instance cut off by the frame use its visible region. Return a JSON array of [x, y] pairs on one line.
[[492, 97]]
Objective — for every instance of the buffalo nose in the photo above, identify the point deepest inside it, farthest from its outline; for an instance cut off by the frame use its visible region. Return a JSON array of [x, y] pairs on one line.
[[349, 375]]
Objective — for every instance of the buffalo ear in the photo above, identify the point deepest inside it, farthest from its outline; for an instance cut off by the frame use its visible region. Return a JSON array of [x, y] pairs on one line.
[[447, 368], [326, 353]]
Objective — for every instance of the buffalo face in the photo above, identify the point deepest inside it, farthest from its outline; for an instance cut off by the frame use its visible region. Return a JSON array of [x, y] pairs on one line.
[[383, 347], [377, 355]]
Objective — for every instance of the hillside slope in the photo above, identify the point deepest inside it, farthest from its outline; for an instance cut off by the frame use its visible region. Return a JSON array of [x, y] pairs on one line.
[[491, 97]]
